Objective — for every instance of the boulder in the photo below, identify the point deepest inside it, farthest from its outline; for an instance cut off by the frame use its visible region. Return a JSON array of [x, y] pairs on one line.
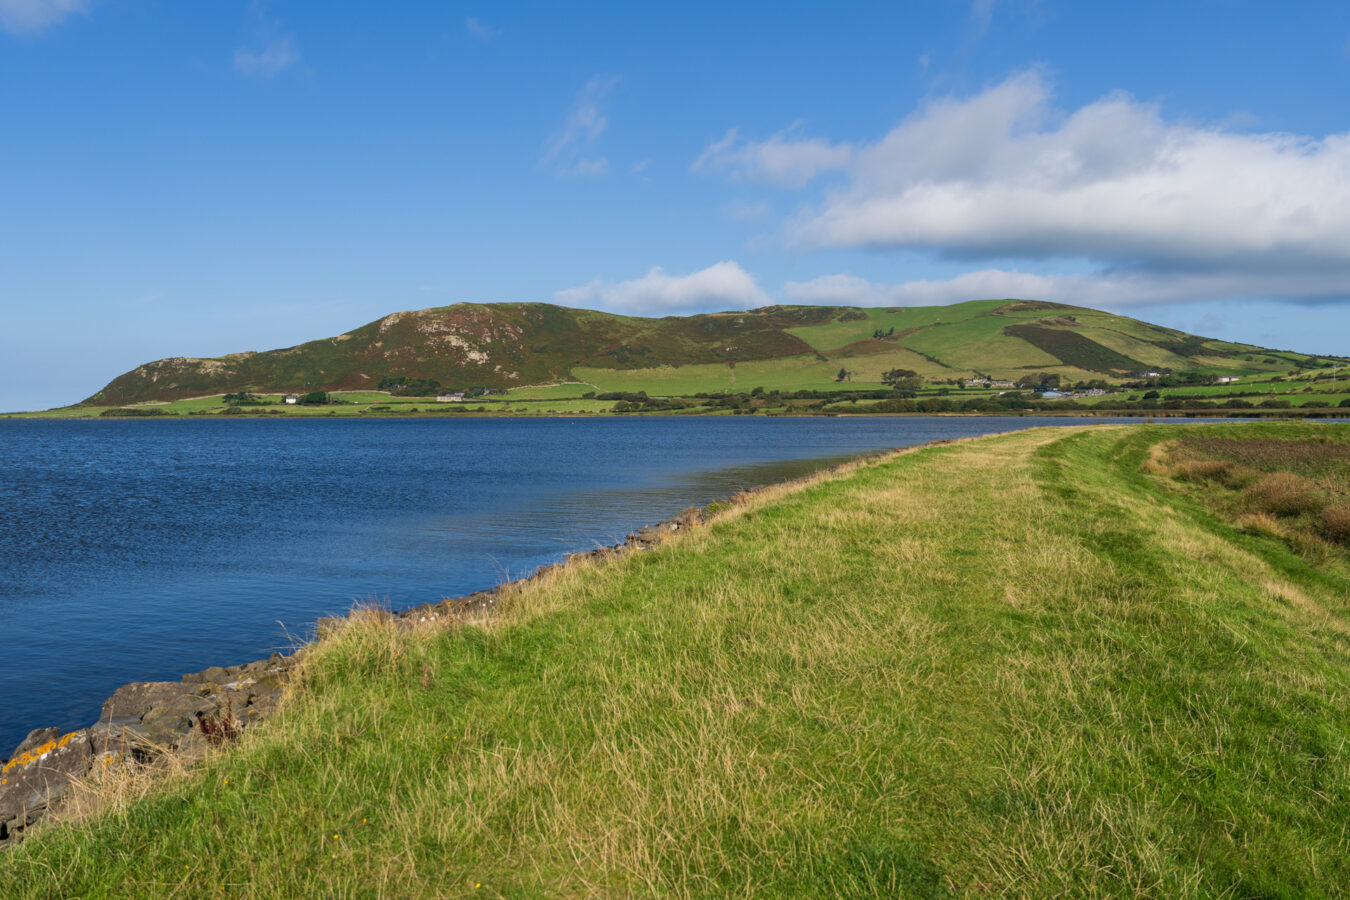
[[36, 737], [646, 536], [209, 675], [163, 725], [131, 701], [33, 779]]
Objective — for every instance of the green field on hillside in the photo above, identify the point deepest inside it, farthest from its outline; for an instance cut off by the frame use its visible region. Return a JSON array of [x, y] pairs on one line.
[[791, 374], [859, 324], [567, 391], [505, 347], [1032, 665]]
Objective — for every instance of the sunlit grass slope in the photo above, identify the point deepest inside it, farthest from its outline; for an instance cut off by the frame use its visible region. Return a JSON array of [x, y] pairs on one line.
[[1018, 666], [505, 346]]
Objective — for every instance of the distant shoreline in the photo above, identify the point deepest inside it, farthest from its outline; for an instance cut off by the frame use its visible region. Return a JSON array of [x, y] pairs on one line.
[[1231, 415]]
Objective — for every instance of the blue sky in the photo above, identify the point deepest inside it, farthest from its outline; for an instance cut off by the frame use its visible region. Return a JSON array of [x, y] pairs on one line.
[[192, 179]]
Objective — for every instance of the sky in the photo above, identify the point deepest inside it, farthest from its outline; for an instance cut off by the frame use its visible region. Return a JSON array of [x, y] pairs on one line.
[[195, 179]]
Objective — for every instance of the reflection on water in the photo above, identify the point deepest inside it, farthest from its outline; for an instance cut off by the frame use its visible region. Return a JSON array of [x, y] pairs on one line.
[[553, 525]]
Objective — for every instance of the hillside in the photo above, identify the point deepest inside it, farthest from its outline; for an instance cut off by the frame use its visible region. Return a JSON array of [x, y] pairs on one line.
[[508, 345], [1051, 663]]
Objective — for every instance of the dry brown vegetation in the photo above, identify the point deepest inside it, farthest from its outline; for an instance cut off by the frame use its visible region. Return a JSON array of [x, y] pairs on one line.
[[1336, 523], [1296, 490], [1285, 494]]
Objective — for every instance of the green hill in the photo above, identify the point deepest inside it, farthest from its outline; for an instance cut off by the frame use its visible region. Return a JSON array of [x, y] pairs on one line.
[[506, 345], [1088, 662]]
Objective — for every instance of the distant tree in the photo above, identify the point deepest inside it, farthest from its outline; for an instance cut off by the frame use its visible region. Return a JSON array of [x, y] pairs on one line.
[[904, 382], [894, 375], [843, 373], [314, 398]]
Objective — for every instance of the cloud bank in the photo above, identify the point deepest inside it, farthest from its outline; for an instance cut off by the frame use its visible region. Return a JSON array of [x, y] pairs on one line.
[[723, 285], [30, 16], [1111, 290], [1003, 175], [998, 175]]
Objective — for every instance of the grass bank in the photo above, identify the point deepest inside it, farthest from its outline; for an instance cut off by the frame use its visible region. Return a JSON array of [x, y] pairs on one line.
[[1023, 665]]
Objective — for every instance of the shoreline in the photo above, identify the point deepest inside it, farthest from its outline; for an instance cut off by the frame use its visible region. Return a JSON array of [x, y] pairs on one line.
[[957, 639], [152, 727], [1318, 413]]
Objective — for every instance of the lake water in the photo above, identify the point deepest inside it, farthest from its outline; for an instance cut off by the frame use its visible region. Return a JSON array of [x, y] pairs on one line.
[[139, 550]]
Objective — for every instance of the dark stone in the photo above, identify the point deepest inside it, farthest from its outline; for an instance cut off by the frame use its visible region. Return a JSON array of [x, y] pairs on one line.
[[32, 780], [162, 725], [210, 675], [647, 535], [139, 697], [36, 737]]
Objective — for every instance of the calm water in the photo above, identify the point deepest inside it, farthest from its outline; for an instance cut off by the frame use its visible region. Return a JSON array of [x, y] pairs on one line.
[[137, 551]]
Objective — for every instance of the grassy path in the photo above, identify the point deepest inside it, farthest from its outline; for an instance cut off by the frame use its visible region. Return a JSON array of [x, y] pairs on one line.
[[1012, 666]]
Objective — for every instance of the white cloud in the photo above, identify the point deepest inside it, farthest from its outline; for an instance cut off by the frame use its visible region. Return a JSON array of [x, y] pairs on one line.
[[29, 16], [571, 150], [480, 30], [782, 159], [1001, 175], [721, 286], [271, 51], [1105, 290]]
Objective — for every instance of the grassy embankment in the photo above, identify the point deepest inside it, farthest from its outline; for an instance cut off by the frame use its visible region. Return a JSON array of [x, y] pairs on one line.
[[1024, 665]]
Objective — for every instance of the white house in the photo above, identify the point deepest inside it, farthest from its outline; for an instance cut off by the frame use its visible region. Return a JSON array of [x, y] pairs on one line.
[[456, 397], [292, 399]]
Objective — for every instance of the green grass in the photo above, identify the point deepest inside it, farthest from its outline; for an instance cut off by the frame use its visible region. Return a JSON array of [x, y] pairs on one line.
[[981, 344], [569, 391], [1014, 666], [835, 334], [508, 346], [792, 374]]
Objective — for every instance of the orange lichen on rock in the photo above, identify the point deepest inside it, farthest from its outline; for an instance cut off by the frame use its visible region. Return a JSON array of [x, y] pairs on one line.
[[31, 756]]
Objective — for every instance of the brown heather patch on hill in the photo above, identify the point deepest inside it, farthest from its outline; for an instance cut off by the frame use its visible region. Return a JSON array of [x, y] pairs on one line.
[[503, 345]]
